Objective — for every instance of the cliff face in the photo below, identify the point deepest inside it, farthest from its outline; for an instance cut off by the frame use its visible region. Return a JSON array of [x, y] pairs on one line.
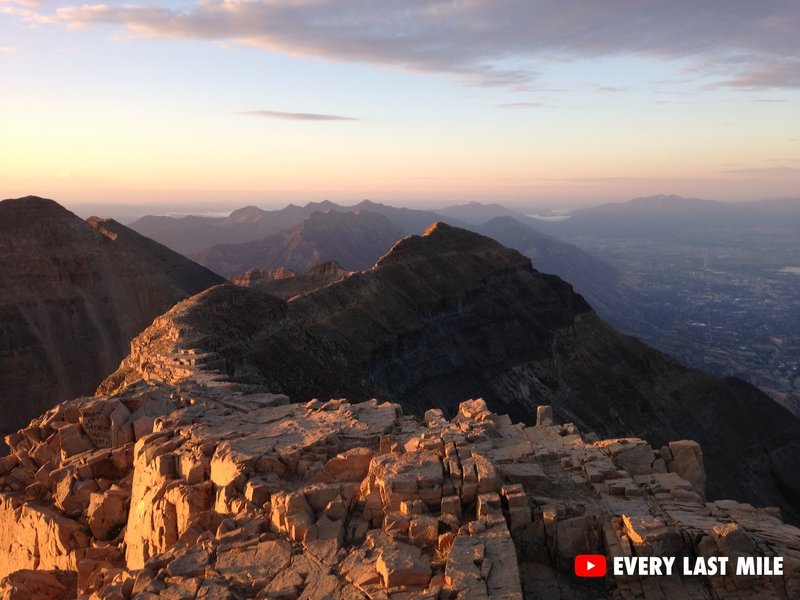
[[72, 296], [226, 491], [451, 315]]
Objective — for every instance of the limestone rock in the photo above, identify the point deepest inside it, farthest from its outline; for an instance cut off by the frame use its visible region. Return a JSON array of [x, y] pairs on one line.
[[234, 493]]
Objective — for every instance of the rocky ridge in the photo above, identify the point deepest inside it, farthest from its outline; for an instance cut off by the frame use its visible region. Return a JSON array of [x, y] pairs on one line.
[[452, 315], [287, 285], [219, 490]]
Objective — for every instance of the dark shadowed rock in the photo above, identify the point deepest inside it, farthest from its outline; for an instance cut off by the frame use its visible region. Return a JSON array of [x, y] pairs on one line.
[[72, 296]]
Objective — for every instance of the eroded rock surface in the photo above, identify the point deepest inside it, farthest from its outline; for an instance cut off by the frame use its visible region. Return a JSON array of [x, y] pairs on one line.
[[222, 490]]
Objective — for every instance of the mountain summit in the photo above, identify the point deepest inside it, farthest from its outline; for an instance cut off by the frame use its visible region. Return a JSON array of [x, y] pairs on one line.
[[452, 315]]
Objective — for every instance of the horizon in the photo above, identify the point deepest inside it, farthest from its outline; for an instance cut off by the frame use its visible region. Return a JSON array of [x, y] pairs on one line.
[[433, 104], [127, 213]]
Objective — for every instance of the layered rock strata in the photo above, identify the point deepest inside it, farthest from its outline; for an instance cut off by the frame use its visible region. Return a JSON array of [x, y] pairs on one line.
[[227, 491]]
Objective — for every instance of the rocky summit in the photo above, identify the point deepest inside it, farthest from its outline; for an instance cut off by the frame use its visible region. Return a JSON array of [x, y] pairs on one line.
[[227, 491], [452, 315], [72, 295]]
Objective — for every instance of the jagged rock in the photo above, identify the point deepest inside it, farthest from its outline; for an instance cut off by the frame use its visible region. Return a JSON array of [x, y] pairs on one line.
[[107, 512], [544, 416], [687, 461], [401, 564], [236, 494], [28, 584]]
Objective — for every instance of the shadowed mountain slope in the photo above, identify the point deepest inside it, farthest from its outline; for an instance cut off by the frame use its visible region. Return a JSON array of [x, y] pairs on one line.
[[453, 314], [72, 295]]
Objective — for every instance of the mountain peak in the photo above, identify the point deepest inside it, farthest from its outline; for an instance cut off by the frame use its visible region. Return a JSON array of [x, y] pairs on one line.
[[29, 208], [247, 213], [440, 239]]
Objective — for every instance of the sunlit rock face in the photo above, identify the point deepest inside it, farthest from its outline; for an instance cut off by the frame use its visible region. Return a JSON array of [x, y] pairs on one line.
[[72, 295], [451, 315], [228, 491]]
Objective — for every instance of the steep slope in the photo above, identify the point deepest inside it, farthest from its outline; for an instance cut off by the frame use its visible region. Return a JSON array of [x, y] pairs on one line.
[[354, 240], [452, 315], [600, 283], [72, 296]]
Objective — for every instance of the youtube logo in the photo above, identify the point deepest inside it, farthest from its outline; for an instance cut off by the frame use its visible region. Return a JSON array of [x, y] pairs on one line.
[[590, 565]]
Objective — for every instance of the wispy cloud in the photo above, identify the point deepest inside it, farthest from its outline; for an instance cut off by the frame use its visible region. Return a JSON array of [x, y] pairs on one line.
[[8, 50], [532, 104], [21, 8], [736, 43], [293, 116]]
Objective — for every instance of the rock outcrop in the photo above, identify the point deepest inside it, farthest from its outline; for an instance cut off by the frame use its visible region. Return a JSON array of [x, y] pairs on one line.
[[452, 315], [318, 276], [221, 490], [72, 296]]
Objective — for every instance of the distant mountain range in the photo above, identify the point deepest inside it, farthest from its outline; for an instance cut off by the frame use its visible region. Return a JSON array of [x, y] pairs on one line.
[[73, 293], [672, 217], [357, 236], [192, 234]]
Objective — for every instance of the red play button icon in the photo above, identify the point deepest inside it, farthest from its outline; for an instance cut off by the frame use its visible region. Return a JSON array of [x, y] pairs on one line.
[[590, 565]]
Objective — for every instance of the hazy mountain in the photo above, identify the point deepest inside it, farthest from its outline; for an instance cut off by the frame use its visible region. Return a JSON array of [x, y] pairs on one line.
[[410, 220], [354, 240], [72, 295], [600, 283], [477, 213], [452, 315], [673, 218], [191, 234]]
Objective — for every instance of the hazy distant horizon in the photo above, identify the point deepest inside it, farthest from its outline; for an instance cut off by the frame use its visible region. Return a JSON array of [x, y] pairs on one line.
[[128, 212]]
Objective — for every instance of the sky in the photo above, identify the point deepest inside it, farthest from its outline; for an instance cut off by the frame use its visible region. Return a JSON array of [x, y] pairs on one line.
[[416, 102]]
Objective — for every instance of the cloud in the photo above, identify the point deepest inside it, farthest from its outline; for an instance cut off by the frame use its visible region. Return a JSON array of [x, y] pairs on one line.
[[8, 50], [292, 116], [521, 105], [738, 43], [20, 8]]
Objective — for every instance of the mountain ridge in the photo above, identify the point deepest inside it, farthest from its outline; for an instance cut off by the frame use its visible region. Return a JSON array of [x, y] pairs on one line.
[[451, 313]]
